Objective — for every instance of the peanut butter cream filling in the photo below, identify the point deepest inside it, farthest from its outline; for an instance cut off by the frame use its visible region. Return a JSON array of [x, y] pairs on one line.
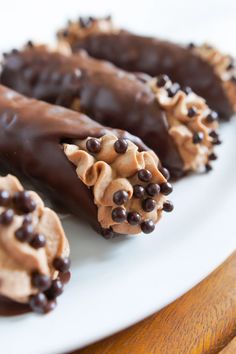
[[191, 123], [127, 185], [33, 247], [224, 66]]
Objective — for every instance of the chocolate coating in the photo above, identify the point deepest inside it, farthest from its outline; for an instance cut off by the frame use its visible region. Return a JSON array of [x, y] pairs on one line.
[[154, 57], [107, 94], [31, 133]]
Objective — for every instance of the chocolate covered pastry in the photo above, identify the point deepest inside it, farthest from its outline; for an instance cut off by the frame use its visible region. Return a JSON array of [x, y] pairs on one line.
[[176, 124], [107, 175], [33, 248], [207, 71]]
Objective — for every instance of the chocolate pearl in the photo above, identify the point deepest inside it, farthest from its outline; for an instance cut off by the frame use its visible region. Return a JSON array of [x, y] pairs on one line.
[[212, 156], [64, 277], [15, 51], [24, 233], [208, 167], [118, 215], [133, 218], [192, 112], [197, 137], [6, 217], [191, 45], [4, 198], [153, 189], [217, 142], [165, 172], [138, 191], [162, 80], [38, 241], [144, 175], [61, 264], [24, 202], [148, 204], [50, 306], [27, 219], [173, 89], [147, 226], [212, 117], [93, 145], [55, 290], [38, 302], [168, 206], [120, 197], [65, 33], [30, 44], [107, 233], [166, 188], [41, 281], [214, 134], [187, 90], [121, 146], [231, 66]]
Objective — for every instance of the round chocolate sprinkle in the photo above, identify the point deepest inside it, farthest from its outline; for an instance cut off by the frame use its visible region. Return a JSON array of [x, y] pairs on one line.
[[165, 172], [41, 281], [107, 233], [4, 198], [187, 90], [133, 218], [168, 206], [197, 137], [214, 134], [24, 202], [153, 189], [138, 191], [65, 33], [208, 167], [120, 197], [173, 89], [191, 45], [217, 142], [212, 117], [64, 277], [192, 112], [24, 233], [93, 145], [15, 51], [118, 215], [38, 302], [38, 241], [162, 80], [148, 204], [231, 65], [6, 217], [212, 156], [55, 289], [166, 188], [147, 226], [50, 306], [30, 44], [121, 146], [144, 175], [62, 264]]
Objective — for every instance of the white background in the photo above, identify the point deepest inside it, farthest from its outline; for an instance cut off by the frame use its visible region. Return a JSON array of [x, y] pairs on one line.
[[182, 20]]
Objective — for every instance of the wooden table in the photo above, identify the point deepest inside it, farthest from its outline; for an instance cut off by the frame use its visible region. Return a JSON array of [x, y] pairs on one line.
[[203, 321]]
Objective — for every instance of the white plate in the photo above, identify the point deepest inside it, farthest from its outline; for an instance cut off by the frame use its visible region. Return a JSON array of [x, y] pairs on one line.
[[117, 283]]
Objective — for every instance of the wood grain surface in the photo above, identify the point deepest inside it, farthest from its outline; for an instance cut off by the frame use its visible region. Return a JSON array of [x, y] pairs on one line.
[[203, 321]]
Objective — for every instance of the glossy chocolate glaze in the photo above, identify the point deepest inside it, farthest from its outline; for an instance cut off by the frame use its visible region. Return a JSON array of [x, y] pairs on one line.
[[107, 94], [152, 56], [30, 135]]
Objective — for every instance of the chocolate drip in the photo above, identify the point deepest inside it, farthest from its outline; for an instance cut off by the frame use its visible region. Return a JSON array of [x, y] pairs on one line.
[[152, 56], [109, 95], [31, 133]]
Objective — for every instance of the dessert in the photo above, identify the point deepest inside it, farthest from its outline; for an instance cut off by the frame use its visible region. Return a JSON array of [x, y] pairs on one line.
[[108, 176], [33, 248], [175, 123], [205, 69]]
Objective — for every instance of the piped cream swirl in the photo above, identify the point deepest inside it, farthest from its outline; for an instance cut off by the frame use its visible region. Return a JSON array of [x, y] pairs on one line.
[[108, 172]]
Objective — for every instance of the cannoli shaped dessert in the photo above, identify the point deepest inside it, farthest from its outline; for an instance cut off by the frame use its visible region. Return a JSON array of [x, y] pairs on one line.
[[33, 248], [176, 124], [205, 69], [108, 176]]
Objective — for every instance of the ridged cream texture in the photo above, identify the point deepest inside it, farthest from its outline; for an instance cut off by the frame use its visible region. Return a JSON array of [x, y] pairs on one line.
[[19, 259], [220, 63], [182, 127], [108, 172]]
